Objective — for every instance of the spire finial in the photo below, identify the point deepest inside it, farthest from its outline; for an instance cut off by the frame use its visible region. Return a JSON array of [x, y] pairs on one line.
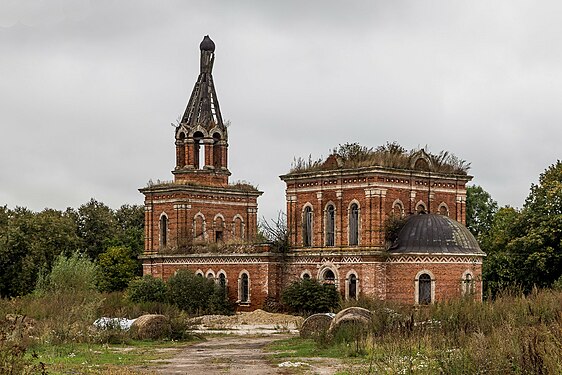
[[207, 44]]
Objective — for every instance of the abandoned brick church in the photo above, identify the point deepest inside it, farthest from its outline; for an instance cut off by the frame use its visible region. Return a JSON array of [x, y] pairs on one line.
[[337, 211]]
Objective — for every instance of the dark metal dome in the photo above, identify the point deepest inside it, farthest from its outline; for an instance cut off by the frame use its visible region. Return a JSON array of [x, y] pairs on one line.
[[435, 234], [207, 44]]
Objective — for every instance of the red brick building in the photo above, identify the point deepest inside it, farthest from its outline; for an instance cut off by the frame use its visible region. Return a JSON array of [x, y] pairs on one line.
[[338, 212]]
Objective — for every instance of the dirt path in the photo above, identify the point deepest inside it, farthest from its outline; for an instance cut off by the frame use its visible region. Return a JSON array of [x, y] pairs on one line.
[[224, 355]]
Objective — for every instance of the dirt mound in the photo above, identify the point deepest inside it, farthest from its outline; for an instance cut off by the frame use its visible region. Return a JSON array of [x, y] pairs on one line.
[[151, 327], [316, 325], [254, 317]]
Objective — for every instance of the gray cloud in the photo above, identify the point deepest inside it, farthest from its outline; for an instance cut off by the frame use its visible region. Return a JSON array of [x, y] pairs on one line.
[[90, 89]]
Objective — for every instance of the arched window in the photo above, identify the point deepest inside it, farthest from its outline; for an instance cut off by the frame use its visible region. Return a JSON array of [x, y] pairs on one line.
[[219, 228], [354, 225], [352, 286], [443, 209], [222, 280], [210, 274], [328, 277], [199, 227], [244, 288], [420, 208], [467, 284], [199, 273], [424, 289], [198, 150], [330, 225], [305, 275], [163, 230], [217, 157], [238, 227], [397, 208], [307, 227]]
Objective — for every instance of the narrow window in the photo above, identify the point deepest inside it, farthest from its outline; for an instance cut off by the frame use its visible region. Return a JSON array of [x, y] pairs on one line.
[[222, 281], [163, 231], [424, 291], [330, 224], [467, 285], [352, 291], [198, 150], [354, 225], [305, 276], [217, 162], [199, 228], [219, 227], [443, 210], [244, 288], [307, 227]]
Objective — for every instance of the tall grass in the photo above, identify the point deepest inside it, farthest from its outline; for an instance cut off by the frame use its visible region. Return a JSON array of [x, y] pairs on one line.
[[513, 334]]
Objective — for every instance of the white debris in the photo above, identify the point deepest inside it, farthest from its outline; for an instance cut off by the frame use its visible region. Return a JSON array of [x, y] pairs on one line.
[[292, 364], [110, 323]]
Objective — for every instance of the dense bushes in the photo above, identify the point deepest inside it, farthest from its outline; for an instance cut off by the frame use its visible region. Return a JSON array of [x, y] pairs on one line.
[[191, 293], [309, 296], [69, 274]]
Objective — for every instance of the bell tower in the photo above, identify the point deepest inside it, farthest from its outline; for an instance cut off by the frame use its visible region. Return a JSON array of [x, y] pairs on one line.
[[201, 137]]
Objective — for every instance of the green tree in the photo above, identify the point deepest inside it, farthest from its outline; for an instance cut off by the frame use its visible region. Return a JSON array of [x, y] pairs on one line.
[[96, 227], [480, 210], [117, 267], [130, 228]]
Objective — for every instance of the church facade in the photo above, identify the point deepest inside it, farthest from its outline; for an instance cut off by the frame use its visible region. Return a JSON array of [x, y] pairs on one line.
[[338, 214]]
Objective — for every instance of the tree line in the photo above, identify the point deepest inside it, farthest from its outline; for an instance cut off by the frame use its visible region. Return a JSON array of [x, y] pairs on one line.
[[523, 246], [31, 241]]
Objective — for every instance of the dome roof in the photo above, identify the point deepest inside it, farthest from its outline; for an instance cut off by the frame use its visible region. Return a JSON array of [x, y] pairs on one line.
[[435, 234], [207, 44]]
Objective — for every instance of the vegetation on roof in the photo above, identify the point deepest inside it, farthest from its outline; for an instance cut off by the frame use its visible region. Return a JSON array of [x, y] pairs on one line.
[[238, 185], [390, 155]]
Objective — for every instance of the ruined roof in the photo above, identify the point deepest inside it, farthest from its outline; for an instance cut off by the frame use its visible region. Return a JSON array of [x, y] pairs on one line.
[[203, 108], [391, 155], [431, 233]]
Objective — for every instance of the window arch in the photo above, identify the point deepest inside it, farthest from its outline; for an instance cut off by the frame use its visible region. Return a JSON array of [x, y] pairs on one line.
[[443, 209], [398, 208], [307, 223], [210, 274], [328, 276], [222, 280], [354, 224], [238, 226], [306, 275], [244, 287], [330, 224], [217, 154], [351, 285], [424, 288], [163, 230], [199, 273], [199, 227], [218, 222], [421, 208], [467, 283]]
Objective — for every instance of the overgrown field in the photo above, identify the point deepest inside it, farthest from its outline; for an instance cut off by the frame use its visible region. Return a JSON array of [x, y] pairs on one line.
[[510, 335], [54, 333]]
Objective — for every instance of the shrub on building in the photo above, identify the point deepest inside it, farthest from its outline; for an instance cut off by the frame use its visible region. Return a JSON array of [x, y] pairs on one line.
[[309, 296]]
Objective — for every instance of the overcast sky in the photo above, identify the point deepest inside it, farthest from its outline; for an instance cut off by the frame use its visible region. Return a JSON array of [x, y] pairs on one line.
[[89, 89]]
